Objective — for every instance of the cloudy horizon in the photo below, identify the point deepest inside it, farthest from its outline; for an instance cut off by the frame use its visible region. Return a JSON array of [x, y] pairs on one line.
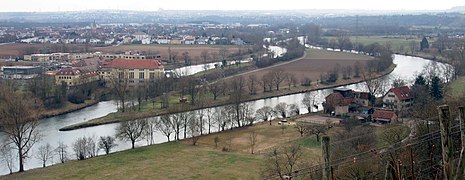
[[148, 5]]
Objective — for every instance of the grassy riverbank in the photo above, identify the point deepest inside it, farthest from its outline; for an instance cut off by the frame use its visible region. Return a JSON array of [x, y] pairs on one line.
[[181, 160], [67, 108]]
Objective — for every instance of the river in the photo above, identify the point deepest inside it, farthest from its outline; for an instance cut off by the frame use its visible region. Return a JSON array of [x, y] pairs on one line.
[[407, 68]]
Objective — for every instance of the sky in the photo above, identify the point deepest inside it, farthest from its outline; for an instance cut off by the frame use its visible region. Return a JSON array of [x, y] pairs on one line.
[[153, 5]]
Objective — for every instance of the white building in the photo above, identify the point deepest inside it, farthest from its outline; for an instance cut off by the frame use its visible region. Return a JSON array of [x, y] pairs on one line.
[[147, 41], [398, 98], [139, 36]]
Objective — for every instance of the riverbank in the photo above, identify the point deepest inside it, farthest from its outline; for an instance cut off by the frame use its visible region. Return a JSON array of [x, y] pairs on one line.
[[127, 116], [67, 108]]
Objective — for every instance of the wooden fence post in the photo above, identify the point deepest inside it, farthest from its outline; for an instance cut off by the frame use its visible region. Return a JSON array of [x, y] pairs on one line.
[[446, 144], [325, 151]]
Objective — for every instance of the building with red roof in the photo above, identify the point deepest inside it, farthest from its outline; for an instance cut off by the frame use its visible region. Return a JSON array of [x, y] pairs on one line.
[[76, 75], [384, 116], [399, 98], [134, 70]]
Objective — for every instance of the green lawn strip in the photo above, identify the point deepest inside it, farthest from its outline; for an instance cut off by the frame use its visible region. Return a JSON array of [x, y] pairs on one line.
[[164, 161]]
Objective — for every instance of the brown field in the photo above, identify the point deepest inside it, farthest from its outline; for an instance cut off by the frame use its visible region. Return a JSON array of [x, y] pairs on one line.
[[315, 63], [20, 49], [194, 50]]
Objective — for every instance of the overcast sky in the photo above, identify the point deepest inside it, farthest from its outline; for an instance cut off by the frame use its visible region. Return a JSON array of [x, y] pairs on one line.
[[152, 5]]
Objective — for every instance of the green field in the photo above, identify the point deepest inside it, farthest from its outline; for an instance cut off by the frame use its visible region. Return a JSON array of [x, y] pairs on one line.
[[457, 87], [399, 44], [165, 161]]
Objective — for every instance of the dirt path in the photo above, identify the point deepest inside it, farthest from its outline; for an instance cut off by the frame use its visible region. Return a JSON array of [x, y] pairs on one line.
[[269, 67]]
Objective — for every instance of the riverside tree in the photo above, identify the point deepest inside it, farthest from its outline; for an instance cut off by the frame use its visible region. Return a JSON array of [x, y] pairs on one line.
[[19, 118], [106, 143], [131, 131], [45, 154]]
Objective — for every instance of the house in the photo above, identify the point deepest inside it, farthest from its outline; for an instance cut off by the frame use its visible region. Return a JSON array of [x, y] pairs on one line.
[[162, 40], [362, 98], [135, 70], [383, 116], [237, 41], [189, 40], [147, 41], [334, 103], [345, 100], [398, 99], [139, 36], [76, 75]]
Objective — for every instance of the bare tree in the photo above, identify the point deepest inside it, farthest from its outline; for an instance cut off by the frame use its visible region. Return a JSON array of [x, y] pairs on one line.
[[45, 154], [375, 86], [216, 140], [119, 83], [174, 56], [165, 126], [253, 139], [186, 118], [281, 109], [252, 83], [194, 130], [150, 130], [79, 148], [302, 128], [200, 114], [291, 80], [265, 113], [187, 59], [220, 118], [317, 130], [294, 109], [267, 82], [247, 114], [91, 146], [309, 100], [237, 96], [62, 151], [107, 143], [177, 123], [278, 77], [19, 120], [215, 89], [204, 54], [281, 162], [6, 152], [210, 120], [131, 130]]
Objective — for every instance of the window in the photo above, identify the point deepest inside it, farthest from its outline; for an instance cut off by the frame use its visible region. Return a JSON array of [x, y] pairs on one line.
[[141, 75], [131, 69], [131, 75], [121, 75], [152, 75], [141, 69], [390, 95]]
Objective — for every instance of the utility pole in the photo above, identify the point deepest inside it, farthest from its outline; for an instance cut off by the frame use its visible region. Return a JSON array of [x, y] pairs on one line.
[[444, 122], [461, 165], [325, 151], [412, 162]]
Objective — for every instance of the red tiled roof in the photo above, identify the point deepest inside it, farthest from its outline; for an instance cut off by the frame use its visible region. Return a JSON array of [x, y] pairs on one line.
[[403, 93], [134, 64], [383, 114]]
